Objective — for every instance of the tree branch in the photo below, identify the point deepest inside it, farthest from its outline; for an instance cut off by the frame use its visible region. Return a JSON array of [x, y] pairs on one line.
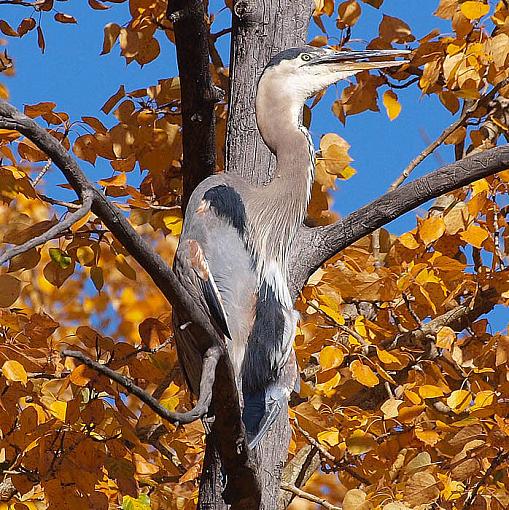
[[466, 115], [198, 93], [298, 471], [315, 246], [237, 464], [457, 319], [54, 231], [210, 361], [499, 459], [310, 497]]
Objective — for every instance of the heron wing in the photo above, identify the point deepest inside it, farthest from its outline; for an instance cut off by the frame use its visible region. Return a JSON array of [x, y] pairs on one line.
[[202, 277]]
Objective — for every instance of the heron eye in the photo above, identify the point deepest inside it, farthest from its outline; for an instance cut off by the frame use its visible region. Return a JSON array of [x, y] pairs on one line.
[[306, 57]]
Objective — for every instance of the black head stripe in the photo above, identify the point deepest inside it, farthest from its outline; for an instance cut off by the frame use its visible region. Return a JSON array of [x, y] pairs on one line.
[[228, 204], [290, 54]]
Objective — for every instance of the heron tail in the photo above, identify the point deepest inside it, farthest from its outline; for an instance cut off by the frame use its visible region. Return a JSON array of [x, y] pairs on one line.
[[260, 411]]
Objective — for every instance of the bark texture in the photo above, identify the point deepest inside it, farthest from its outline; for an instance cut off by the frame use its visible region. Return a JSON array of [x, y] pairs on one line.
[[199, 95], [260, 29]]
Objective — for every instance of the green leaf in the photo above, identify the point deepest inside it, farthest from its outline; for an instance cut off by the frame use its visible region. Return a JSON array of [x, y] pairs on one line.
[[59, 257], [142, 503]]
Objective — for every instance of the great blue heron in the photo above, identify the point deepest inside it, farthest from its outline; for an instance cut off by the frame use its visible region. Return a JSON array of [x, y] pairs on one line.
[[233, 251]]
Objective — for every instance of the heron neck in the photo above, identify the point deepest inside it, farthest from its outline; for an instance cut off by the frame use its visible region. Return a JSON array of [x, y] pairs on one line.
[[279, 208], [280, 125]]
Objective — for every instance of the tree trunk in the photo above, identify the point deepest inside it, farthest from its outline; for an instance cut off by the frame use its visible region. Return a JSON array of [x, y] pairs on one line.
[[261, 28]]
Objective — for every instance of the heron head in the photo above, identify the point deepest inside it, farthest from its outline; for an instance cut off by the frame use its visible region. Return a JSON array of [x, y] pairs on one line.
[[302, 72]]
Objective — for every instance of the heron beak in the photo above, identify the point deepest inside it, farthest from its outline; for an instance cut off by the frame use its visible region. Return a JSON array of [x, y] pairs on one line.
[[361, 60]]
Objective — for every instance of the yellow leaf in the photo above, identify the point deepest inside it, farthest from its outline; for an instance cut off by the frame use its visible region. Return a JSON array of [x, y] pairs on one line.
[[446, 9], [360, 442], [431, 229], [85, 255], [408, 241], [430, 437], [445, 338], [474, 10], [14, 371], [331, 357], [363, 374], [173, 222], [483, 399], [10, 289], [170, 403], [430, 391], [328, 386], [480, 186], [459, 400], [58, 409], [474, 235], [123, 266], [390, 408], [329, 438], [392, 105], [420, 461], [421, 488]]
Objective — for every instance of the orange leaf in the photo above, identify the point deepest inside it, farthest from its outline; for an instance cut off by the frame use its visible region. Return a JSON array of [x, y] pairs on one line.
[[35, 110], [430, 391], [431, 229], [81, 375], [363, 374], [113, 100], [331, 357], [7, 29], [474, 235], [64, 18]]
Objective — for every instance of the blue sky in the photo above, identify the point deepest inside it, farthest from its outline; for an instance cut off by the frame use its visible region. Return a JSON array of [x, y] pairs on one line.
[[72, 74]]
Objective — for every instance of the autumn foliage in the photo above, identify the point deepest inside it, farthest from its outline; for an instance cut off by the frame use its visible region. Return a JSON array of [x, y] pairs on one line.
[[404, 384]]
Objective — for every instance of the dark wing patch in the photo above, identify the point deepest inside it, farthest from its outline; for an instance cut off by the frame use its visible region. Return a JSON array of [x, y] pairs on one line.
[[263, 352], [228, 204]]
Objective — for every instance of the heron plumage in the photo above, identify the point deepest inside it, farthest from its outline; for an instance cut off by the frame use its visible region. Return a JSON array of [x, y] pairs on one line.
[[234, 248]]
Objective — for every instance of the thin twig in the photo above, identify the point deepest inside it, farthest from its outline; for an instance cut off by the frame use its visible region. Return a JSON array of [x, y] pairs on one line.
[[22, 3], [501, 457], [210, 360], [53, 201], [325, 453], [340, 326], [40, 175], [214, 37], [310, 497], [54, 231], [467, 114]]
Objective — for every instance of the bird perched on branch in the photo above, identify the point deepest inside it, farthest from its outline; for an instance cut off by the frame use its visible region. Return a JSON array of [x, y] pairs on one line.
[[234, 248]]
